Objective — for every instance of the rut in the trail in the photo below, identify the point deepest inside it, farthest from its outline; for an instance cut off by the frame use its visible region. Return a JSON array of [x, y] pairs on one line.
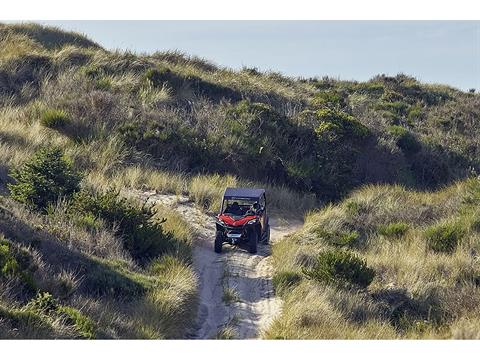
[[235, 287]]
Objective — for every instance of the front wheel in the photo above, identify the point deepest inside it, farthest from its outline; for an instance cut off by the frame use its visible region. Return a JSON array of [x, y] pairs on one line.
[[218, 242], [252, 242]]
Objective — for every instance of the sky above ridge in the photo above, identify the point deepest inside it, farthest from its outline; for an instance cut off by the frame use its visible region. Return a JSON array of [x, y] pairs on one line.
[[446, 52]]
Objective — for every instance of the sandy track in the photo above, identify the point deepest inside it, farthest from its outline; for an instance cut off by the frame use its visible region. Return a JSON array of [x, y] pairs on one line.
[[235, 288]]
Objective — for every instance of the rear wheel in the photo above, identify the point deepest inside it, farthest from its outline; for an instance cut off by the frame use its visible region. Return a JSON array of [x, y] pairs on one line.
[[252, 242], [218, 242]]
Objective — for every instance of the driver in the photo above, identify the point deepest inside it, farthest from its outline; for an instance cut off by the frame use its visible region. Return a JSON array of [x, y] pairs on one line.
[[235, 208]]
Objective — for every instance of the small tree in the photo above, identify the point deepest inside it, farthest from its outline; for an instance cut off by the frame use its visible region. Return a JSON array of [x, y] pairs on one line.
[[43, 179]]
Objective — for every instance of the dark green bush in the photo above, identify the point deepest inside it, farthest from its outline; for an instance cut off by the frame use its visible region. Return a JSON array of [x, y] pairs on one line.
[[47, 176], [405, 140], [396, 229], [340, 267], [335, 123], [157, 77], [444, 238], [142, 235], [284, 281], [54, 119]]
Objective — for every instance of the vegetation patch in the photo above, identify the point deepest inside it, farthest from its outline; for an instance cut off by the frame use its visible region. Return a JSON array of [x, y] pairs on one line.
[[340, 267], [42, 180], [284, 281], [54, 119], [142, 233], [394, 230], [405, 140], [444, 238]]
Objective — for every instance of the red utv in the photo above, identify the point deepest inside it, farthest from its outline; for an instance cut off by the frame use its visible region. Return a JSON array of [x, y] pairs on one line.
[[243, 219]]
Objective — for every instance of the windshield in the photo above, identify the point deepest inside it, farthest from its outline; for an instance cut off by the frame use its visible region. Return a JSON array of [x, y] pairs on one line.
[[239, 207]]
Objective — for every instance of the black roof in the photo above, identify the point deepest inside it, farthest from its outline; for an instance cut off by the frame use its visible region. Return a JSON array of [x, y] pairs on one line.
[[248, 193]]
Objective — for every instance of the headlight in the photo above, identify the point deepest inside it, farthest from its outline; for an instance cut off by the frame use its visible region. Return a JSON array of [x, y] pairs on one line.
[[254, 221]]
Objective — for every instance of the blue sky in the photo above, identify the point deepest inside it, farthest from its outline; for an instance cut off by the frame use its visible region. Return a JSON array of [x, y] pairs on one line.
[[433, 51]]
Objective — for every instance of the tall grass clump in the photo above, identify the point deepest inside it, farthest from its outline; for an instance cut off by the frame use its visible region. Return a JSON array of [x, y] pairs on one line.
[[54, 119]]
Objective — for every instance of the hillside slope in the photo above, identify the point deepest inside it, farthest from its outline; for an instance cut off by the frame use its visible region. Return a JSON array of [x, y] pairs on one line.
[[420, 276]]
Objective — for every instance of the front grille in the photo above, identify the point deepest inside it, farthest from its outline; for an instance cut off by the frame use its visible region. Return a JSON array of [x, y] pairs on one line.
[[238, 229]]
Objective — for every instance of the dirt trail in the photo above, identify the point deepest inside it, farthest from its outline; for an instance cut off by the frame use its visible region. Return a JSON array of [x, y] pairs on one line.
[[235, 287]]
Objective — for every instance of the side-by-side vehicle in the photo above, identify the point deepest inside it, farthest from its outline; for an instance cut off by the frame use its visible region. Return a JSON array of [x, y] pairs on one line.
[[243, 218]]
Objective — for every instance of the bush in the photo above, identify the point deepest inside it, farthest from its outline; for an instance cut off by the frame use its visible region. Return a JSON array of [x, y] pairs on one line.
[[444, 238], [331, 99], [397, 229], [338, 238], [43, 179], [285, 280], [12, 259], [54, 119], [85, 327], [142, 236], [340, 267], [338, 123], [8, 263], [44, 303], [405, 139]]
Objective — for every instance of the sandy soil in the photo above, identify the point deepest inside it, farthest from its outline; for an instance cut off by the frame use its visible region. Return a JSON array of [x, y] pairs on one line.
[[235, 287]]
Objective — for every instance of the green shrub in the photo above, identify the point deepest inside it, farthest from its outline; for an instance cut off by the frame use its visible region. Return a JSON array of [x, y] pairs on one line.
[[415, 113], [340, 267], [44, 303], [16, 262], [27, 323], [338, 238], [444, 238], [397, 107], [142, 235], [339, 123], [84, 326], [54, 119], [405, 139], [43, 179], [396, 229], [157, 77], [331, 99], [284, 281]]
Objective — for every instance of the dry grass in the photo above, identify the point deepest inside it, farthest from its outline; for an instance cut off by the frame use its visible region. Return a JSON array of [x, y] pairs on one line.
[[416, 293]]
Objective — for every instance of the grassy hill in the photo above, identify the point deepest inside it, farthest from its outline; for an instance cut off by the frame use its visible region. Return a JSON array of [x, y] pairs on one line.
[[180, 124], [384, 263]]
